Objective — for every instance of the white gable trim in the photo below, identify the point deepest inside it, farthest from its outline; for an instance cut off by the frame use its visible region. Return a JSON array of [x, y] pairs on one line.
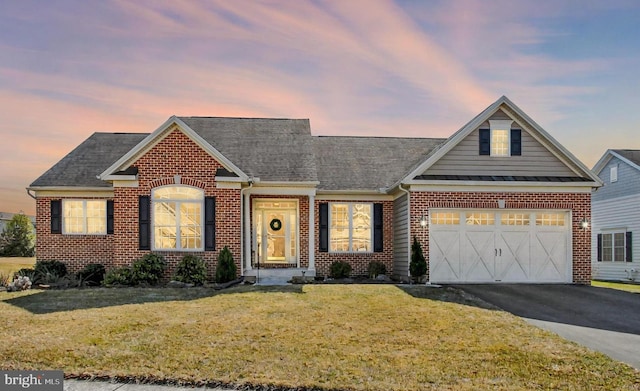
[[604, 160], [462, 133], [148, 142]]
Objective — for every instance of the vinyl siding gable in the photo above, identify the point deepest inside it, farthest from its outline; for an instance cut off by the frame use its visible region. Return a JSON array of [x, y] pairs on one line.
[[535, 158], [628, 182]]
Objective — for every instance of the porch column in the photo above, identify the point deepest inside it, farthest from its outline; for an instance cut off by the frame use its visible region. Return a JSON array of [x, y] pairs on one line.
[[247, 232], [312, 233]]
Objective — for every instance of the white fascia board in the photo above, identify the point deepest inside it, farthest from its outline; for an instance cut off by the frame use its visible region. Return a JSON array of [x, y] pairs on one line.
[[353, 197], [228, 185], [64, 191], [604, 160], [519, 187], [120, 178], [157, 135], [229, 179], [129, 183]]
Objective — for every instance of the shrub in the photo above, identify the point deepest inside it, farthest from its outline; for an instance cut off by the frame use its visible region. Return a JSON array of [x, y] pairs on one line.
[[119, 276], [191, 270], [376, 268], [25, 272], [226, 270], [47, 271], [91, 275], [148, 269], [340, 269], [418, 265]]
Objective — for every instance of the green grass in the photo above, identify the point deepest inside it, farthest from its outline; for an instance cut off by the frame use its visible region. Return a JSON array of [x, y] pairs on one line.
[[635, 288], [353, 337], [8, 266]]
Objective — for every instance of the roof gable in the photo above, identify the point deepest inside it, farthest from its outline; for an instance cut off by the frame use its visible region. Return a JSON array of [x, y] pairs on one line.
[[629, 156], [523, 121], [173, 123]]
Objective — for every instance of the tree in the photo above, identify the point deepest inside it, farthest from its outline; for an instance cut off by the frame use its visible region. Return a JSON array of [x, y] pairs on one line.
[[18, 238], [226, 270], [418, 265]]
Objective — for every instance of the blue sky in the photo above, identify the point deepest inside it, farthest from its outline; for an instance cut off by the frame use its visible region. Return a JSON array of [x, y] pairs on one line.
[[376, 68]]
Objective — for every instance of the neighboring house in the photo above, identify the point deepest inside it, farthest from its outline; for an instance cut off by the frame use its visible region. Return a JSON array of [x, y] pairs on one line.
[[498, 201], [616, 216], [5, 217]]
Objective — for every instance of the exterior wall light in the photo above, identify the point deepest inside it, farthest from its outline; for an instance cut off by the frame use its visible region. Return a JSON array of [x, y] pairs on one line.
[[584, 223], [423, 221]]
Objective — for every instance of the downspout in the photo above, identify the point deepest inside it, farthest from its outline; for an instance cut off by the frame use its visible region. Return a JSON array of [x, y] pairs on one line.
[[243, 229], [408, 228], [31, 195]]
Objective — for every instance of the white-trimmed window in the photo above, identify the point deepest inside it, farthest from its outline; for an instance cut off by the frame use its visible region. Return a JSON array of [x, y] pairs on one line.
[[84, 217], [350, 228], [500, 137], [613, 247], [177, 218]]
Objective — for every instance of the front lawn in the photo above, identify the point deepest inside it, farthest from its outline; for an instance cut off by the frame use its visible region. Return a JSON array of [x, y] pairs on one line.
[[354, 337], [10, 265]]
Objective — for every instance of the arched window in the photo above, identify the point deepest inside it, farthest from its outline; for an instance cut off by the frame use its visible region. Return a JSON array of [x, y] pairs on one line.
[[177, 213]]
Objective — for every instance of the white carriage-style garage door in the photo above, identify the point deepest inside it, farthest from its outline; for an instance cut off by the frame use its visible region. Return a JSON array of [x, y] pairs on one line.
[[487, 246]]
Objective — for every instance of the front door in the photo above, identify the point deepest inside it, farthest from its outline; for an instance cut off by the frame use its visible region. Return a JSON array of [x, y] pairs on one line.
[[276, 233]]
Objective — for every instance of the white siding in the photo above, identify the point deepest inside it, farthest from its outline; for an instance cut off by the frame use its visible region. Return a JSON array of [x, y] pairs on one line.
[[401, 238], [620, 213]]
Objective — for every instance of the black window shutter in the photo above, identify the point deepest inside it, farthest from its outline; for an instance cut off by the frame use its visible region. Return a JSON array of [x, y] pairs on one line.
[[485, 141], [599, 247], [377, 228], [56, 216], [144, 223], [629, 254], [516, 142], [210, 223], [323, 234], [109, 216]]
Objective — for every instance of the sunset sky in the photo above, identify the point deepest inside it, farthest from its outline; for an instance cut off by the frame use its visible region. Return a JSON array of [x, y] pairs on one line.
[[374, 68]]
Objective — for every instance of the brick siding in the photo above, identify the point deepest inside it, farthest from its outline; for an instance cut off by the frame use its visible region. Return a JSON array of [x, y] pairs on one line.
[[578, 203]]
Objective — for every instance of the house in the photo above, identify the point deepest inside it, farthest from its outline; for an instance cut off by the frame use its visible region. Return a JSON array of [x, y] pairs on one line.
[[498, 201], [5, 218], [616, 216]]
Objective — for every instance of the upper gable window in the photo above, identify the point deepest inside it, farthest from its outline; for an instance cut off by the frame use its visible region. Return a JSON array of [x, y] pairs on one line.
[[613, 174], [500, 140]]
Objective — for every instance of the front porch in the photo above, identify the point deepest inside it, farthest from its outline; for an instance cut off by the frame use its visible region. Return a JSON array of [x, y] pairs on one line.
[[272, 276]]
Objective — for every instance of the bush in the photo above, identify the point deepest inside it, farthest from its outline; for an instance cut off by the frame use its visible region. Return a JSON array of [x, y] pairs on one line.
[[25, 272], [148, 269], [418, 265], [44, 268], [376, 268], [191, 270], [119, 276], [92, 274], [340, 269], [226, 270]]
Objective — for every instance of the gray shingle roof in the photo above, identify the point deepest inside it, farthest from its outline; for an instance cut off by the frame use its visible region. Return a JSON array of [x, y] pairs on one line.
[[92, 157], [632, 155], [270, 149], [368, 163]]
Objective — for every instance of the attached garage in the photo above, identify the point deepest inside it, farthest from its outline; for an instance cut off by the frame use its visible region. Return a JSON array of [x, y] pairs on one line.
[[510, 246]]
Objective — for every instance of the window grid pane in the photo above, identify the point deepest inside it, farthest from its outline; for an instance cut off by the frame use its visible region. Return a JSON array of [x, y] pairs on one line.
[[550, 219], [339, 233], [361, 234], [514, 219], [607, 247], [477, 218], [618, 243], [445, 218], [96, 217], [499, 142]]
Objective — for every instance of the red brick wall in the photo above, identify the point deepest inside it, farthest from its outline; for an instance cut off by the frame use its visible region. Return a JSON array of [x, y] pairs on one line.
[[174, 155], [359, 261], [578, 203], [74, 250]]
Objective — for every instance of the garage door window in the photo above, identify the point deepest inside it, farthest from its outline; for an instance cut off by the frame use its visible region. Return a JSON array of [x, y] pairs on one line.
[[514, 219], [476, 218], [550, 219], [445, 218]]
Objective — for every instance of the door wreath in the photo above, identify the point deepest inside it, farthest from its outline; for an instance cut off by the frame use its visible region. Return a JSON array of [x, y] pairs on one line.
[[275, 224]]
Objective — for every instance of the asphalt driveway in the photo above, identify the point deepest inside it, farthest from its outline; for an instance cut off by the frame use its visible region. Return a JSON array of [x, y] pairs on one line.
[[606, 320]]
